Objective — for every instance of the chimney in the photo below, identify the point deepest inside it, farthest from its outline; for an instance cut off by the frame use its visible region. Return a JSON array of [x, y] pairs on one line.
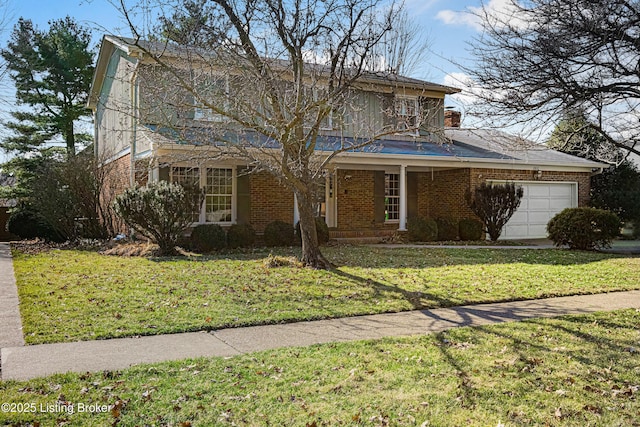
[[452, 119]]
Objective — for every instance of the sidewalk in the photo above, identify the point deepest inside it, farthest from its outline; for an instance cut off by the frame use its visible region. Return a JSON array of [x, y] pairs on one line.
[[25, 362], [10, 321]]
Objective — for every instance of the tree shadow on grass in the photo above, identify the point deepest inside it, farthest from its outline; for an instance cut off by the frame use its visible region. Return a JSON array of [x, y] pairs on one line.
[[418, 299], [535, 357]]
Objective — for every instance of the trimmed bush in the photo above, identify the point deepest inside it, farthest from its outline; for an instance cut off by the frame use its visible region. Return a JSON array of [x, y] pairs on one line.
[[495, 204], [447, 229], [470, 229], [279, 233], [584, 228], [322, 229], [208, 237], [240, 236], [420, 229], [160, 211]]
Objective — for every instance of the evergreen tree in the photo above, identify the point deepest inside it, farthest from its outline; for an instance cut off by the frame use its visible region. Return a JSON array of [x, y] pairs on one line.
[[52, 72], [575, 135]]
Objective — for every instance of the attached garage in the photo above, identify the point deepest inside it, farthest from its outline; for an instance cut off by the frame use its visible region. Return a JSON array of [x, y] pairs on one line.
[[541, 201]]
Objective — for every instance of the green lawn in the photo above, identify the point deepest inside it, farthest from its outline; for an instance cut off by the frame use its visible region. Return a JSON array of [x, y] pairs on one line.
[[71, 295], [571, 371]]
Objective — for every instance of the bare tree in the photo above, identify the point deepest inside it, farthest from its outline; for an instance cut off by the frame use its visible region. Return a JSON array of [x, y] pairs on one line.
[[271, 77], [545, 58]]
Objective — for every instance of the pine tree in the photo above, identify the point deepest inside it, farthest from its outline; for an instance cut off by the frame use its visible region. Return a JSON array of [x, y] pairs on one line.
[[52, 73]]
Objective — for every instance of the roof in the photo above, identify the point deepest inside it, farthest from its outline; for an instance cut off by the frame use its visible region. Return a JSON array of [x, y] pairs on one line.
[[464, 145], [136, 48], [511, 146]]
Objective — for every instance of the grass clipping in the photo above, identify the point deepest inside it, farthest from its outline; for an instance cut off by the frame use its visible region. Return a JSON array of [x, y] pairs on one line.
[[275, 261], [139, 249]]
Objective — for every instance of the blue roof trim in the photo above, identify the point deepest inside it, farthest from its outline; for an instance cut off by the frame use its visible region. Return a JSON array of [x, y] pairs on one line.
[[194, 136]]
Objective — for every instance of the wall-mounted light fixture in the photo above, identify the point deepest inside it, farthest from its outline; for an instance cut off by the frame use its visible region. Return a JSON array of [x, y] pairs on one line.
[[347, 177], [537, 173]]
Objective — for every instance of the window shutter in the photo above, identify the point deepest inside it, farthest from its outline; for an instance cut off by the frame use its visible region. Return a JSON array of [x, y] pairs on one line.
[[243, 186], [378, 196], [163, 173], [412, 195]]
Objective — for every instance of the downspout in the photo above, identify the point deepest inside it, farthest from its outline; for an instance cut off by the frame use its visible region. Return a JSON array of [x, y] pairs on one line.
[[134, 115]]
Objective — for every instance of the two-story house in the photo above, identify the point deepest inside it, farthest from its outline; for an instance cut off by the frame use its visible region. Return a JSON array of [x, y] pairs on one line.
[[368, 192]]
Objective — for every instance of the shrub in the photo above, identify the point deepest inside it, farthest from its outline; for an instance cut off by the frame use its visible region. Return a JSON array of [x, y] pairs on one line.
[[240, 236], [279, 233], [322, 230], [584, 228], [420, 229], [495, 205], [470, 229], [208, 237], [159, 211], [447, 229], [25, 223]]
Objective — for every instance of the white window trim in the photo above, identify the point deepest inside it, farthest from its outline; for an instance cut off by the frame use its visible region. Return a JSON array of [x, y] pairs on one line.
[[416, 102], [392, 221], [203, 176]]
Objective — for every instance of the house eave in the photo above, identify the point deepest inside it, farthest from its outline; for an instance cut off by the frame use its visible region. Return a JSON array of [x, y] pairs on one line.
[[368, 160]]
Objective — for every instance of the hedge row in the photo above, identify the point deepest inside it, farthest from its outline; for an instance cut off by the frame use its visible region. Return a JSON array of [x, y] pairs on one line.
[[212, 237], [421, 229]]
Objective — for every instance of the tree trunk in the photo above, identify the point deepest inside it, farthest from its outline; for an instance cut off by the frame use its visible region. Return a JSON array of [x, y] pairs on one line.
[[311, 255], [70, 139]]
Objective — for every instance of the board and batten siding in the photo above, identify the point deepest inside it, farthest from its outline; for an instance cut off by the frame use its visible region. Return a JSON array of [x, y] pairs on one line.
[[114, 116]]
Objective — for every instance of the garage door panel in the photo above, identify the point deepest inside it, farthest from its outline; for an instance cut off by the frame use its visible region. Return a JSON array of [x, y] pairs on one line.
[[538, 205], [540, 202], [560, 204], [516, 231], [561, 191], [538, 191], [538, 230], [539, 218]]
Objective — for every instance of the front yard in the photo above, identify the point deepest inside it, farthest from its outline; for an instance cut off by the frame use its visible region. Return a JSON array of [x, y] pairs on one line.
[[68, 295], [570, 371]]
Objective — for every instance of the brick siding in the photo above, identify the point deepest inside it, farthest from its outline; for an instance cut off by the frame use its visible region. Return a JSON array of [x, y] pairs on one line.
[[440, 195], [270, 201]]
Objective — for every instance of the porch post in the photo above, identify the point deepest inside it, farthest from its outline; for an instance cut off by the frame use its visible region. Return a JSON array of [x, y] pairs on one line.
[[296, 212], [403, 198]]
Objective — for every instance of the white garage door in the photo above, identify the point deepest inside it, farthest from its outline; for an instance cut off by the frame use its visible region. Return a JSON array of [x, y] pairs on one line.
[[541, 201]]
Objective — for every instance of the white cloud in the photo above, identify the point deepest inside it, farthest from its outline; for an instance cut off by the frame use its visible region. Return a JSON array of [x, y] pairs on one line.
[[462, 81], [472, 16]]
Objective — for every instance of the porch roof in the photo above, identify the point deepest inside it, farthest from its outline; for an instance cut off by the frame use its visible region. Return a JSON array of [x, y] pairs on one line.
[[478, 145], [398, 146]]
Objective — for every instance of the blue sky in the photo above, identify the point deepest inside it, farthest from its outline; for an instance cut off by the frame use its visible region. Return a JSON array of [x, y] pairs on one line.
[[444, 21]]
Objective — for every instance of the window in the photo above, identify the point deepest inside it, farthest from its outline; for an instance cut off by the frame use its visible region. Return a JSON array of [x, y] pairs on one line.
[[218, 186], [391, 197], [188, 177], [312, 95], [218, 195], [215, 90], [407, 112]]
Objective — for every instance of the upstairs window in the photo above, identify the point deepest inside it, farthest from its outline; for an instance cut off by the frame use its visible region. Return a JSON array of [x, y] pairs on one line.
[[407, 112], [216, 91]]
